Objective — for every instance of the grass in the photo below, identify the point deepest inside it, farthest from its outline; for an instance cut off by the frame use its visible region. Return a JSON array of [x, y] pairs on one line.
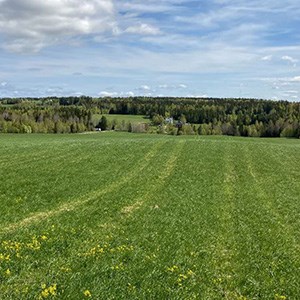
[[128, 216]]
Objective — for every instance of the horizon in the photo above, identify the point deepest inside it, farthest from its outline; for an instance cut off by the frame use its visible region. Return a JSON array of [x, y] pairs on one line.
[[150, 97], [168, 48]]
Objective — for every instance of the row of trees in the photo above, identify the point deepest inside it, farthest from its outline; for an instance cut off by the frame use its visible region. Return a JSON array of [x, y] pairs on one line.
[[245, 117], [45, 120]]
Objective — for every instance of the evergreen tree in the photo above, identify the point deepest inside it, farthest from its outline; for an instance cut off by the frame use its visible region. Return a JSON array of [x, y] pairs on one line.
[[103, 124]]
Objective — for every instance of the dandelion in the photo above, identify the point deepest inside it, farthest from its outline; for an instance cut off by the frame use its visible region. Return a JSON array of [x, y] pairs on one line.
[[280, 297], [4, 257], [50, 291], [172, 269], [44, 237], [87, 293], [190, 273], [8, 272], [45, 293], [118, 267], [35, 244], [183, 276]]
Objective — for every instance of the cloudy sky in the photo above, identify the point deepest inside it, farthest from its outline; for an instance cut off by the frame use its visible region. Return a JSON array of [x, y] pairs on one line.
[[216, 48]]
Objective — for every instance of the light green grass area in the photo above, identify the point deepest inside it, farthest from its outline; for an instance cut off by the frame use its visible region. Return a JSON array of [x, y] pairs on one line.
[[129, 216], [134, 119]]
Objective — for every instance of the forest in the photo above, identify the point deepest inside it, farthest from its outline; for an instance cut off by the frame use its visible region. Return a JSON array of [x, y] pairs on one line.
[[203, 116]]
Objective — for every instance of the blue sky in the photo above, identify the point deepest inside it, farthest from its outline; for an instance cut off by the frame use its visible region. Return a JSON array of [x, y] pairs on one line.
[[217, 48]]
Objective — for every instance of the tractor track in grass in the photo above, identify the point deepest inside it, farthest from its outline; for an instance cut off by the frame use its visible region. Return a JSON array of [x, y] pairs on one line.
[[78, 202], [269, 205], [257, 241], [124, 214], [225, 249], [161, 179]]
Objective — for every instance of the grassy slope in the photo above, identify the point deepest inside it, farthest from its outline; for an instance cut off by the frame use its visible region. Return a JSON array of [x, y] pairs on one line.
[[130, 216]]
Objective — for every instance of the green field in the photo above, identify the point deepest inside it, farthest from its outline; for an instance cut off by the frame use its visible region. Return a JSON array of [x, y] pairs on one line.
[[133, 216]]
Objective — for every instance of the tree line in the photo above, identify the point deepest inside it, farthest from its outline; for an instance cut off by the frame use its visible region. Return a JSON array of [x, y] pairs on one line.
[[204, 116]]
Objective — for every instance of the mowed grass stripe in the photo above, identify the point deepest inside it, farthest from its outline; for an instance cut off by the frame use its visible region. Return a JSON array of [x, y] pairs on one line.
[[83, 200], [139, 188], [169, 244], [48, 180], [224, 252], [261, 240], [160, 171], [48, 175], [165, 173], [280, 171]]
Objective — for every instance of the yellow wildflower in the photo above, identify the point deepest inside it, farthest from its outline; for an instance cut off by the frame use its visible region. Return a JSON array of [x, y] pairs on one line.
[[52, 290], [8, 272], [190, 273], [44, 237], [280, 297], [183, 276], [45, 293], [87, 293], [173, 269], [4, 257]]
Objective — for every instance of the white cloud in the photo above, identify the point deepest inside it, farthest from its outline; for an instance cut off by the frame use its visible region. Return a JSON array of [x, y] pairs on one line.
[[267, 58], [295, 79], [108, 94], [145, 88], [126, 94], [182, 86], [163, 86], [152, 6], [197, 96], [290, 59], [130, 94], [143, 29], [172, 86], [3, 84], [29, 25], [78, 94], [282, 84], [292, 92]]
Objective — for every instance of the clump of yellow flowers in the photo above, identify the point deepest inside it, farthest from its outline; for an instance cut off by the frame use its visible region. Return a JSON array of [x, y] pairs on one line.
[[87, 293], [48, 291]]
